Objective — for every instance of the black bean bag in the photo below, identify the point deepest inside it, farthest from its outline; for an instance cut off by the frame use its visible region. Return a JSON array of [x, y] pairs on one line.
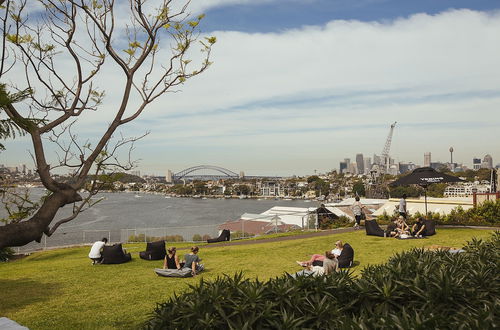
[[154, 251], [225, 235], [430, 227], [346, 257], [114, 255], [372, 228]]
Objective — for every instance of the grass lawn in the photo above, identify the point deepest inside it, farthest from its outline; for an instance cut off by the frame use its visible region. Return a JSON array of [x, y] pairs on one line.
[[60, 289]]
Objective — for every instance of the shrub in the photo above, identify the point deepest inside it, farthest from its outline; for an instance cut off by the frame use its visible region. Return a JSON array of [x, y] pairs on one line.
[[6, 254], [197, 238], [416, 289]]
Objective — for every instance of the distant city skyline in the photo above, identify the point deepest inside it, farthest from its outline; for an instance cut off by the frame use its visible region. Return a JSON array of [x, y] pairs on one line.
[[297, 86]]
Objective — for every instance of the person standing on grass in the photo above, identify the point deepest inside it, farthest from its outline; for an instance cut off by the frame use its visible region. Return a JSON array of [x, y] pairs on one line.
[[357, 209], [402, 207], [95, 251], [192, 261]]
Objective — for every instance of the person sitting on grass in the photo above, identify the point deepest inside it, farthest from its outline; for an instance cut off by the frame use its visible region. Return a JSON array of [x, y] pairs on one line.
[[95, 251], [402, 229], [330, 265], [192, 261], [418, 229], [321, 257], [171, 259], [391, 228]]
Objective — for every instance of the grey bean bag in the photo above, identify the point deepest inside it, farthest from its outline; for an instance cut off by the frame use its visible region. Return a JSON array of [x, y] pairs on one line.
[[183, 272]]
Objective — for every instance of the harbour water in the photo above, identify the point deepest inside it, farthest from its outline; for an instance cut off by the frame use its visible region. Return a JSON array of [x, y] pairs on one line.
[[120, 211]]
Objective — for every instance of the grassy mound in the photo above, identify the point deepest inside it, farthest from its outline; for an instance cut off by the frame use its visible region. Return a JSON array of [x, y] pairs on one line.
[[60, 289], [416, 289]]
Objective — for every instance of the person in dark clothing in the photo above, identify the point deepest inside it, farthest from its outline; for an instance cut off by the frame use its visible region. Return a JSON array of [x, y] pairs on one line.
[[418, 229], [171, 259], [391, 228]]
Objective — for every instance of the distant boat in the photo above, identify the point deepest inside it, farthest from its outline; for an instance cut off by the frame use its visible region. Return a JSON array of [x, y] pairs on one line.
[[138, 196], [168, 197], [243, 196]]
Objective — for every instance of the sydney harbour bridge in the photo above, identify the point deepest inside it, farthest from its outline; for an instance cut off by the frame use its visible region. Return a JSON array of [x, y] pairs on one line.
[[210, 172]]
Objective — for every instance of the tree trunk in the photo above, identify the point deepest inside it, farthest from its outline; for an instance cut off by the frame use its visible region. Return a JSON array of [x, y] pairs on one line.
[[22, 233]]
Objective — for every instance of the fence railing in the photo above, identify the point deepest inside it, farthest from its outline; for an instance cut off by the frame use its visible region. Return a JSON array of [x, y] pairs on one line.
[[63, 238]]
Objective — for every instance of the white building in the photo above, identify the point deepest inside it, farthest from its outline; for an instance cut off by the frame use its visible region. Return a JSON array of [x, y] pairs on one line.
[[466, 189]]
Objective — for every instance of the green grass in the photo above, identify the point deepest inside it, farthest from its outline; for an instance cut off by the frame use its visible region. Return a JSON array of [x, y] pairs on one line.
[[60, 289]]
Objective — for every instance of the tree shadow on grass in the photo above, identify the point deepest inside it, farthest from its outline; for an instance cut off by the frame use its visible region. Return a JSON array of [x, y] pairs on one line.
[[19, 293], [53, 255]]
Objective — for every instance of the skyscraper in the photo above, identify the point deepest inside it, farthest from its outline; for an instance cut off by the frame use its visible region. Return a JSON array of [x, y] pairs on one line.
[[487, 162], [368, 165], [427, 159], [360, 165], [476, 163]]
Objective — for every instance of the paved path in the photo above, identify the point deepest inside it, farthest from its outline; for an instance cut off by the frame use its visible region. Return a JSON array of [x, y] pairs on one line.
[[284, 238]]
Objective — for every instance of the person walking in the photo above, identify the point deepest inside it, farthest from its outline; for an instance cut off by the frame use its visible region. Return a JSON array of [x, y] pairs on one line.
[[357, 210], [402, 207]]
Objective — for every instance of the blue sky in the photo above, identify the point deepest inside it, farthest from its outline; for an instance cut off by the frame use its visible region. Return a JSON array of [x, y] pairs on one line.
[[299, 85], [273, 16]]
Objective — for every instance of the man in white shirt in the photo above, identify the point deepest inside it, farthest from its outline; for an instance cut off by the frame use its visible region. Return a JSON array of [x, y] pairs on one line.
[[95, 251]]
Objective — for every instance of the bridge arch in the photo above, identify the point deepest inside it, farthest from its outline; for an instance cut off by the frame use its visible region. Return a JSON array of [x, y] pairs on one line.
[[188, 173]]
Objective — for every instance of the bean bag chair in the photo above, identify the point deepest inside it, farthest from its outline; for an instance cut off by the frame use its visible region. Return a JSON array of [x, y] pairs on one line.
[[372, 228], [183, 272], [114, 255], [346, 257], [430, 227], [225, 235], [154, 251]]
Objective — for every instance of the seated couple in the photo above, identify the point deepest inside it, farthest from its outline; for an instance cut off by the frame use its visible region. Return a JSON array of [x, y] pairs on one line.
[[330, 265], [191, 260], [320, 257], [400, 229], [341, 256]]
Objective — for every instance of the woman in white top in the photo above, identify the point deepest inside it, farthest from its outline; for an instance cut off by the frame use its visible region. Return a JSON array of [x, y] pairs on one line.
[[357, 209]]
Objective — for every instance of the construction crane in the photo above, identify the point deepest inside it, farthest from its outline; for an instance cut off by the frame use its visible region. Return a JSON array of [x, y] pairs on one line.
[[376, 186], [385, 152]]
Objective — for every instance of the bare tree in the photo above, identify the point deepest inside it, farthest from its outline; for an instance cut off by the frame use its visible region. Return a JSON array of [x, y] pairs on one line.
[[61, 50]]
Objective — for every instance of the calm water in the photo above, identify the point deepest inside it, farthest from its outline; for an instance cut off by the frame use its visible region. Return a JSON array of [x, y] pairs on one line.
[[182, 216], [125, 210]]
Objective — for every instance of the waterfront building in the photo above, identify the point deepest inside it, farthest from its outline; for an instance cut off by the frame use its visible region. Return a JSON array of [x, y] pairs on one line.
[[270, 188], [427, 159], [169, 177]]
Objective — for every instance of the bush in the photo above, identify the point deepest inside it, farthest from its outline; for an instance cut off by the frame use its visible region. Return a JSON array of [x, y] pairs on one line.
[[6, 254], [416, 289], [485, 214], [197, 238]]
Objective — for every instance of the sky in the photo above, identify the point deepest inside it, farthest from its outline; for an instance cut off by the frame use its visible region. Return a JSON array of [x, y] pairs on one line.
[[296, 86]]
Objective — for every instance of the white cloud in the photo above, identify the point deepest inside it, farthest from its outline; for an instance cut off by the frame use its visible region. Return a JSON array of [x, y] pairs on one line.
[[306, 98]]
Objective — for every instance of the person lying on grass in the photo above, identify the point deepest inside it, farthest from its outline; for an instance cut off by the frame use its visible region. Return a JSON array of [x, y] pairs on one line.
[[330, 265], [192, 261], [321, 257], [171, 259]]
